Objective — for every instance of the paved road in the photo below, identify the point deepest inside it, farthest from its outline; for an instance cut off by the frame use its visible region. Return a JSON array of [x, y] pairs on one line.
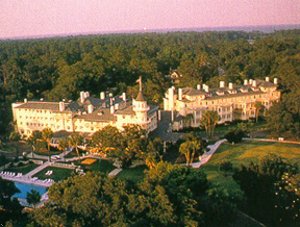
[[272, 140], [164, 130]]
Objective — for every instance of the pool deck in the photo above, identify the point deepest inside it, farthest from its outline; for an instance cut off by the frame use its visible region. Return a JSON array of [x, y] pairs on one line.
[[25, 179]]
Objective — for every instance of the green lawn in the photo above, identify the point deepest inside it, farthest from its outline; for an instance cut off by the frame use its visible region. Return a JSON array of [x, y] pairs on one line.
[[244, 153], [23, 168], [103, 166], [57, 175], [135, 174]]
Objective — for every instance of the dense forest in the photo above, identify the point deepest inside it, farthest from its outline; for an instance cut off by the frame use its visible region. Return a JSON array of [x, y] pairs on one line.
[[58, 68]]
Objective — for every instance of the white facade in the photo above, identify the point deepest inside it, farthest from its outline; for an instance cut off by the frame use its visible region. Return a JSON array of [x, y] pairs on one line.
[[87, 114], [231, 103]]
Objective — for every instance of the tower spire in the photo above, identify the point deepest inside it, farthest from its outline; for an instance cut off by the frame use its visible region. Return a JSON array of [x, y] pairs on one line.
[[139, 80]]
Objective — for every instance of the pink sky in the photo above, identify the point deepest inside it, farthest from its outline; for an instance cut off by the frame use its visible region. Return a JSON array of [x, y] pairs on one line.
[[19, 18]]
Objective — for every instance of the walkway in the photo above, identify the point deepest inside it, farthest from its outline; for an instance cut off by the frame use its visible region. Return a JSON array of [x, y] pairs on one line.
[[272, 140], [115, 172], [207, 155], [37, 169]]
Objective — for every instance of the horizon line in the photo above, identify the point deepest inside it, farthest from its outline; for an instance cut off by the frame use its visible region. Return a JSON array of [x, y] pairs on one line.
[[245, 28]]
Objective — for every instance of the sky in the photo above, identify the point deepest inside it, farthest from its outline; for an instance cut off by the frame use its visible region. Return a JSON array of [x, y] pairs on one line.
[[27, 18]]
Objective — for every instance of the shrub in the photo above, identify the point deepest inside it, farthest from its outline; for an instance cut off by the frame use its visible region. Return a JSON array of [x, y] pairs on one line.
[[235, 136], [226, 167]]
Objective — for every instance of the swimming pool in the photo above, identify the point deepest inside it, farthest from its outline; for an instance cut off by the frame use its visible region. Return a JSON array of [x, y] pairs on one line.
[[24, 188]]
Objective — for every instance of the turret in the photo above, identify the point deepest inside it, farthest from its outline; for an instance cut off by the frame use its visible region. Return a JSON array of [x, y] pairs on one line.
[[140, 106]]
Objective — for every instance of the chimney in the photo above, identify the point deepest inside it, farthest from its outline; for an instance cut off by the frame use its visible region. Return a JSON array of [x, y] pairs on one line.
[[267, 79], [124, 96], [90, 108], [112, 109], [86, 94], [198, 87], [25, 101], [82, 96], [61, 106], [206, 88], [111, 101], [250, 81], [275, 81], [222, 84], [254, 83], [245, 82], [179, 94], [230, 86], [102, 95]]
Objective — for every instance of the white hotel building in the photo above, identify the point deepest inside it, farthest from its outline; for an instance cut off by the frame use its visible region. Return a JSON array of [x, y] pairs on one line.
[[87, 114]]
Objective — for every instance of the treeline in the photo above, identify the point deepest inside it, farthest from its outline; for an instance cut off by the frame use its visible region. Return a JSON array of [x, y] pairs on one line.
[[59, 68]]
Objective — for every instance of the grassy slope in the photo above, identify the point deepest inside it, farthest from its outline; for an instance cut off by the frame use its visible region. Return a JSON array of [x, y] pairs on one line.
[[103, 166], [244, 153]]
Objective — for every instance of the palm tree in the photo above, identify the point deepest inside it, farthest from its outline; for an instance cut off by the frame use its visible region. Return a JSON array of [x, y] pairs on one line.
[[47, 135], [209, 121], [75, 139], [34, 138], [63, 144], [33, 197], [189, 148], [258, 106]]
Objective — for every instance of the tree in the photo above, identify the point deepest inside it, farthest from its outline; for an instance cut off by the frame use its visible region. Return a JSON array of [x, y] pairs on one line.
[[33, 197], [153, 152], [14, 136], [63, 144], [258, 107], [226, 167], [107, 139], [47, 135], [75, 140], [209, 121], [234, 136], [188, 149], [10, 209], [221, 206], [263, 178], [34, 138]]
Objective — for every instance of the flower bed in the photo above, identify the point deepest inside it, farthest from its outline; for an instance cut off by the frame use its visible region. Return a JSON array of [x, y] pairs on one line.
[[88, 161]]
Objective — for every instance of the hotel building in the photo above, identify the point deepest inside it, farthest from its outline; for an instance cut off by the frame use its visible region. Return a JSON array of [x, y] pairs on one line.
[[87, 114], [231, 102]]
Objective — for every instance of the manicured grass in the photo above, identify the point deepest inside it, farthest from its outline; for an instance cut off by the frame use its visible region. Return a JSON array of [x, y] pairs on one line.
[[57, 175], [103, 166], [135, 174], [244, 153], [22, 169]]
